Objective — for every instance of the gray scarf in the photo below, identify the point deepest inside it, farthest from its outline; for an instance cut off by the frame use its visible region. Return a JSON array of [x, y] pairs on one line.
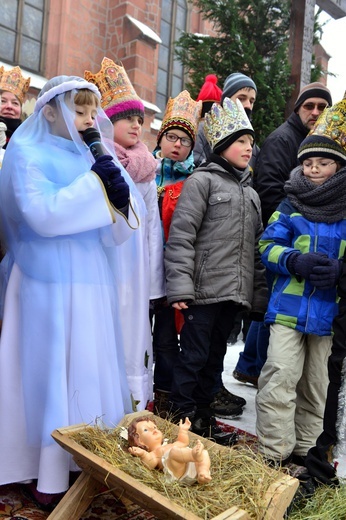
[[324, 203]]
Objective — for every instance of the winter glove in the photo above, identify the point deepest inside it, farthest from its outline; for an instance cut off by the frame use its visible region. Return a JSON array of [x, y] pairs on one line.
[[326, 276], [302, 264], [115, 185], [3, 129], [256, 316]]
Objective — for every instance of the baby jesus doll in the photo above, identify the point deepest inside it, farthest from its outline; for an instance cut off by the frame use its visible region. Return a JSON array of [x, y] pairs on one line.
[[177, 460]]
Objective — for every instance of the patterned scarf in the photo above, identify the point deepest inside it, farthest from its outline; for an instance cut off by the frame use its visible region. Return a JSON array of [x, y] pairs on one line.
[[137, 161], [324, 203]]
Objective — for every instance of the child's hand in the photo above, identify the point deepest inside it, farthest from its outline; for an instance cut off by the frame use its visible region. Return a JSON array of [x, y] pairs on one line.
[[115, 185], [180, 305]]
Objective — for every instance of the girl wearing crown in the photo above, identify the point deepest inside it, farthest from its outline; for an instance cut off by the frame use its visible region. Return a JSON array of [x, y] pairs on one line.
[[126, 111]]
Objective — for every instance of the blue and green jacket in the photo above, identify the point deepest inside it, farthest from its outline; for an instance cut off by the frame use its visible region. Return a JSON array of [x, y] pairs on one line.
[[297, 303]]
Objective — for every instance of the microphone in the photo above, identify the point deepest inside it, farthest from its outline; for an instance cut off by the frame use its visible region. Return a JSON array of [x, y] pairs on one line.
[[93, 139]]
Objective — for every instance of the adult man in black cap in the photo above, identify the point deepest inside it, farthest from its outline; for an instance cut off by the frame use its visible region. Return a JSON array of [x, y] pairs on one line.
[[278, 155]]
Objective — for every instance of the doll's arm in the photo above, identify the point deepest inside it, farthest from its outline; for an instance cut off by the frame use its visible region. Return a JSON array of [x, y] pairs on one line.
[[183, 436], [150, 459]]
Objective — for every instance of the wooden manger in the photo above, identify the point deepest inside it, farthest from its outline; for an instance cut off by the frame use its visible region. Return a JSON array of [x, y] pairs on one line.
[[98, 473]]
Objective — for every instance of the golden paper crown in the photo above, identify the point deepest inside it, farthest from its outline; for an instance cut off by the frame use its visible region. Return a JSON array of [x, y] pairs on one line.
[[182, 112], [225, 121], [332, 123], [13, 81], [118, 97]]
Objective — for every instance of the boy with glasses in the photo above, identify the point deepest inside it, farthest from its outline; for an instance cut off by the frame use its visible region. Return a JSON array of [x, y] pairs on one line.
[[175, 142], [303, 246], [278, 155]]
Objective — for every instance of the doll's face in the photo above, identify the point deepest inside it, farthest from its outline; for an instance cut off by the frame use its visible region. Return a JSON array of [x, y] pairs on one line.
[[127, 131], [149, 435]]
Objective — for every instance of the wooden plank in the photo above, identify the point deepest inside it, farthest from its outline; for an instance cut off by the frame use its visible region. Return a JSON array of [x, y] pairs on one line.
[[77, 499], [279, 496]]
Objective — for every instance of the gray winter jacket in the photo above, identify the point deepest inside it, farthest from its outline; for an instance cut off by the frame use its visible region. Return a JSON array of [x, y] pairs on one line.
[[212, 250]]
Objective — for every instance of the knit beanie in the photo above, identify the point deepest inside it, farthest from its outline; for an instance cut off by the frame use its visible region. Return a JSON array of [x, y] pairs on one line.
[[313, 90], [327, 138], [210, 93], [235, 82], [183, 113], [118, 96], [225, 124]]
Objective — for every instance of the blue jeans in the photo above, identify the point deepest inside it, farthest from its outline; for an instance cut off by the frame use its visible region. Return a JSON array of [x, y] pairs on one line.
[[165, 347], [254, 355], [203, 342]]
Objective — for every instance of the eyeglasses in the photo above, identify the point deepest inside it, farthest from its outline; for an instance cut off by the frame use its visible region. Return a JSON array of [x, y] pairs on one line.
[[318, 165], [311, 106], [173, 138]]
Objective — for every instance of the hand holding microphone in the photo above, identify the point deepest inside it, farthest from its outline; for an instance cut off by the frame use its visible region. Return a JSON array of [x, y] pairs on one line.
[[115, 185]]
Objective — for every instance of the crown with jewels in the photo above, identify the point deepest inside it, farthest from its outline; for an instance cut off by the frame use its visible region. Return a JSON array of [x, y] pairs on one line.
[[223, 121], [181, 112], [118, 97], [13, 81], [332, 123]]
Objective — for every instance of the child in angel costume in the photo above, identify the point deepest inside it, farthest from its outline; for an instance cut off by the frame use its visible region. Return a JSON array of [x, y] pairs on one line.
[[63, 216]]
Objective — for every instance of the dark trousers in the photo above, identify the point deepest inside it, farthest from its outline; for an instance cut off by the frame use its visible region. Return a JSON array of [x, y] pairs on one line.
[[203, 343], [165, 347], [318, 458]]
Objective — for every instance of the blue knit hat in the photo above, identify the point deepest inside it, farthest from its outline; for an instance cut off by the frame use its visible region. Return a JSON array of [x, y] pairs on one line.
[[235, 82]]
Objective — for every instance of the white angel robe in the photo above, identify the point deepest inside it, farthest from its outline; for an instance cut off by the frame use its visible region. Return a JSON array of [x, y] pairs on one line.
[[61, 356]]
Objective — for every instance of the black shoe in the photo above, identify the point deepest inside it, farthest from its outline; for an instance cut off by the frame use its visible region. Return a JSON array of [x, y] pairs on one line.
[[244, 378], [227, 405], [207, 427], [177, 414], [226, 396]]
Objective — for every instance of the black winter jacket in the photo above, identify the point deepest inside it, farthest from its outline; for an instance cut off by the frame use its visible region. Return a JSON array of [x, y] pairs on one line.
[[277, 158]]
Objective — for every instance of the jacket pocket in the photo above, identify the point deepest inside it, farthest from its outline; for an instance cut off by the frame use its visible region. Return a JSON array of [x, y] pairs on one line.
[[200, 269], [219, 205]]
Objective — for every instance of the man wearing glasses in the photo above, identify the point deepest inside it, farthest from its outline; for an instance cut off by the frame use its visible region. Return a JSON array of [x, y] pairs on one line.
[[278, 155]]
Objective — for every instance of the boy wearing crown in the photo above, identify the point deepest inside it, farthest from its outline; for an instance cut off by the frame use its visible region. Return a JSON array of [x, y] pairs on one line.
[[213, 266], [302, 246]]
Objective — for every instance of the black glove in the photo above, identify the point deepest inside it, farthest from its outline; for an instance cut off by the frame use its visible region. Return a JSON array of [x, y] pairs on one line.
[[326, 276], [302, 264], [256, 316], [115, 185]]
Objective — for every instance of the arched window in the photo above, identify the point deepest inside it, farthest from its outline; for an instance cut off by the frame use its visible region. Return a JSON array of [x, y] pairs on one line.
[[170, 75], [22, 25]]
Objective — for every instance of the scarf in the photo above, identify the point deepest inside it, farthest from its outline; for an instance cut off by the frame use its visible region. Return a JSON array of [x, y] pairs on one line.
[[137, 161], [324, 203], [171, 171]]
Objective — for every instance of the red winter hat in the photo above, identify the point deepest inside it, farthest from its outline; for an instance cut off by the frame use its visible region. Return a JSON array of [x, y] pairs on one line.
[[210, 93]]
